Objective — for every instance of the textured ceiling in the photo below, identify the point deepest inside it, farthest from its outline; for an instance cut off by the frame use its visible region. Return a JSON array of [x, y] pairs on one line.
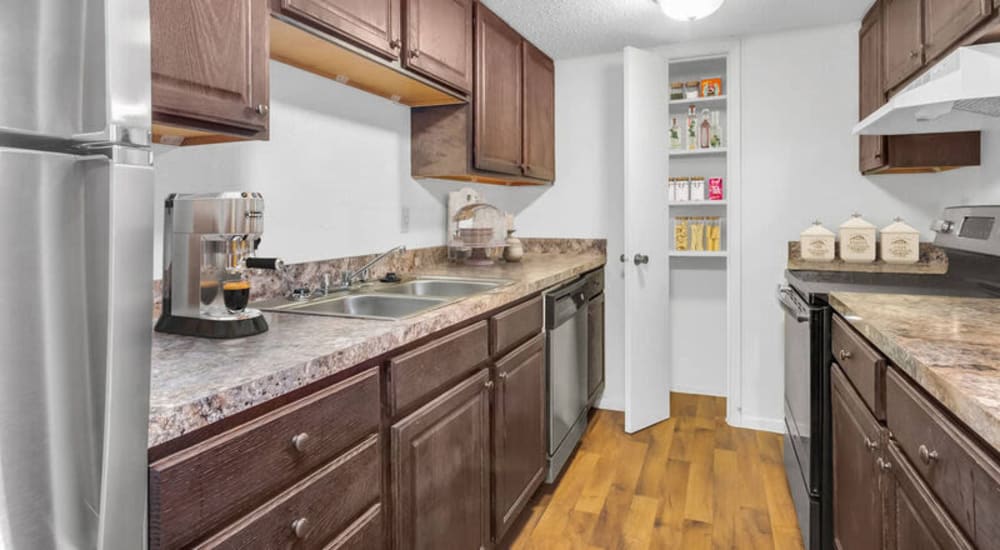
[[571, 28]]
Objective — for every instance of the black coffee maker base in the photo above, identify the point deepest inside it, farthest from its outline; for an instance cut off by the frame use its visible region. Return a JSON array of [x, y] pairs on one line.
[[210, 328]]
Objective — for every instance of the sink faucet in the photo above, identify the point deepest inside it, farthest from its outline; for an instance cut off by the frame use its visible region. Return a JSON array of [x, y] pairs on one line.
[[347, 279]]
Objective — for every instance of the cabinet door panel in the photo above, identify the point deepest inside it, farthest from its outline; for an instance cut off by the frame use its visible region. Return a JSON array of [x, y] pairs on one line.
[[595, 352], [872, 95], [373, 24], [441, 470], [857, 514], [539, 114], [946, 21], [914, 518], [498, 95], [518, 431], [209, 62], [439, 40], [901, 20]]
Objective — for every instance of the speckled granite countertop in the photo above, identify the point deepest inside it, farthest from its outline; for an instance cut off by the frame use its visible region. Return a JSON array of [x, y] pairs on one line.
[[949, 346], [196, 382]]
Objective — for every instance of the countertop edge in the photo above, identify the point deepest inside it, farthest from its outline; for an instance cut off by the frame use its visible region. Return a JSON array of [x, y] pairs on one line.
[[169, 422], [950, 396]]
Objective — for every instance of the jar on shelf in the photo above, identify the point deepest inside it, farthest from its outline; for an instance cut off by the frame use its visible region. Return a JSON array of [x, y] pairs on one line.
[[681, 233], [692, 89], [676, 90], [713, 234], [816, 244], [697, 189], [697, 231], [683, 189]]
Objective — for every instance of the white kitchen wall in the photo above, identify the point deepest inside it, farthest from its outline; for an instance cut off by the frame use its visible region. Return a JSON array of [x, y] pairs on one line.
[[335, 177], [800, 100]]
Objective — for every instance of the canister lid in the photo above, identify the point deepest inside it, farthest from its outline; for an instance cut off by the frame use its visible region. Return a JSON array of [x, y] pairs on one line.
[[857, 222], [817, 230], [899, 226]]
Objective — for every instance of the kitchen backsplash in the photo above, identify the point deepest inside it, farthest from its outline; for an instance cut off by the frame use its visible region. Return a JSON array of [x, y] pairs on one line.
[[266, 284]]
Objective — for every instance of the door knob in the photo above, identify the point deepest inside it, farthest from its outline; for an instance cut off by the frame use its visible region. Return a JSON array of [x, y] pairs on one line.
[[262, 109], [623, 258], [640, 259]]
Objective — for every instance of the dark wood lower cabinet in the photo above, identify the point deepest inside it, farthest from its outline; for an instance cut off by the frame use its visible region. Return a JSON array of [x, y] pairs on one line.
[[857, 521], [914, 517], [441, 470], [518, 431]]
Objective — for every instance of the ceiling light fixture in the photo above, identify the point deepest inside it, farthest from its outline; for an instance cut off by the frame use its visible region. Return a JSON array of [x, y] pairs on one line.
[[689, 10]]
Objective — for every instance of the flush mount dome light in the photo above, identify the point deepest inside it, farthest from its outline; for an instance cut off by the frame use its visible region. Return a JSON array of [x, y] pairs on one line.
[[689, 10]]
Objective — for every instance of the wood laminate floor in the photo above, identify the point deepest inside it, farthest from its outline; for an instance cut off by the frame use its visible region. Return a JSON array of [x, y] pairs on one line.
[[688, 483]]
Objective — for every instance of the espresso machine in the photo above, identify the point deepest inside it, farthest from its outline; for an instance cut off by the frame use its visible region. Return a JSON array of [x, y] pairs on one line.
[[209, 242]]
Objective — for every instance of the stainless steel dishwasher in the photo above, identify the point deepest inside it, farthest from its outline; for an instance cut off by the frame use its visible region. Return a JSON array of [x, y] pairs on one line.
[[566, 371]]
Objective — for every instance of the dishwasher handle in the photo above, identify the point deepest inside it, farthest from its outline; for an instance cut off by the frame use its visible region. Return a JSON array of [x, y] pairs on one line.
[[564, 303], [792, 305]]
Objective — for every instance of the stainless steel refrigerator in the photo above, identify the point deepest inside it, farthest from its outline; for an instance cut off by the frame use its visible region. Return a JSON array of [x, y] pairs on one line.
[[76, 210]]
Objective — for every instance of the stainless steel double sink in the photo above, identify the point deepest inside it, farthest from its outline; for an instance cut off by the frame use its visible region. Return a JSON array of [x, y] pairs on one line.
[[389, 301]]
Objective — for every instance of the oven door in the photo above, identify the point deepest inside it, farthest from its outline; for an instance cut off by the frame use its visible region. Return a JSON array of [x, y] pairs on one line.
[[804, 380]]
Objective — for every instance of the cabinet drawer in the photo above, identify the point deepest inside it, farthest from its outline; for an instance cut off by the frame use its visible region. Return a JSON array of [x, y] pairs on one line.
[[863, 365], [315, 510], [195, 491], [516, 325], [428, 370], [367, 533], [963, 476]]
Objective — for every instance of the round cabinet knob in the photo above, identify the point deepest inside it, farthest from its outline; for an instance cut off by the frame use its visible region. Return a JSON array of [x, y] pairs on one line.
[[883, 465], [301, 528], [262, 109], [845, 355], [489, 384], [870, 444], [926, 455], [414, 53], [395, 43], [502, 375], [914, 54], [301, 442]]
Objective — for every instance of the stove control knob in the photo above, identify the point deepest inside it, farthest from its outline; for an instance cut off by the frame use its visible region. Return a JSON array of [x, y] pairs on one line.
[[942, 226]]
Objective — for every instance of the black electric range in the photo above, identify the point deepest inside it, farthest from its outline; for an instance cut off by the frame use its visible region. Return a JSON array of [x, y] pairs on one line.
[[971, 237]]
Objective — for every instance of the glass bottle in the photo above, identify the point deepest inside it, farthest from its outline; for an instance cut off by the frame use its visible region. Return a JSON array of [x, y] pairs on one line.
[[705, 130], [675, 134], [716, 140], [692, 128]]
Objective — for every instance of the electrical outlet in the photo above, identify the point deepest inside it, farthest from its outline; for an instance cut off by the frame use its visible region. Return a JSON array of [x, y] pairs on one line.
[[404, 220]]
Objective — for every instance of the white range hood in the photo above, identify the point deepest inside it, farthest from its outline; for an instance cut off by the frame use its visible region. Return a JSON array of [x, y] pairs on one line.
[[960, 93]]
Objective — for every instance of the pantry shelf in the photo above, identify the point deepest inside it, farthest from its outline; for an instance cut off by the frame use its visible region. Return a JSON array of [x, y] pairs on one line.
[[698, 203], [681, 105], [721, 151], [697, 254]]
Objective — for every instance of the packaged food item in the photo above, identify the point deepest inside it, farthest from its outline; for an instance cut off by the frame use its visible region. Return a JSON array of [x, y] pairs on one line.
[[857, 240], [817, 243], [697, 189], [691, 89], [900, 243], [715, 189], [681, 233], [711, 87], [696, 229], [676, 90], [683, 193], [713, 234]]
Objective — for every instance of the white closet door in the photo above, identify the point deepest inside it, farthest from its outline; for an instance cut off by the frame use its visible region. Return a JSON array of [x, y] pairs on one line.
[[647, 230]]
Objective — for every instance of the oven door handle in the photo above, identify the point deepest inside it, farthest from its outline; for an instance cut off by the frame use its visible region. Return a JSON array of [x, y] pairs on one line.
[[786, 301]]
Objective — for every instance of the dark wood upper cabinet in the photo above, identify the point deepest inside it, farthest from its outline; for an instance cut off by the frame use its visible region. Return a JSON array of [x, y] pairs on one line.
[[440, 462], [518, 431], [539, 114], [857, 502], [371, 24], [439, 41], [498, 97], [209, 69], [946, 21], [903, 35], [871, 95]]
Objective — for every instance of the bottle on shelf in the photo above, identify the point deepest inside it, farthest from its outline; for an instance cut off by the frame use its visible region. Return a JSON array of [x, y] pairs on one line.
[[705, 130], [692, 128], [675, 134], [716, 138]]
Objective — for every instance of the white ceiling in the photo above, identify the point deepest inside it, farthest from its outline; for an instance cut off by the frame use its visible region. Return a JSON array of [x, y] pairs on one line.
[[572, 28]]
